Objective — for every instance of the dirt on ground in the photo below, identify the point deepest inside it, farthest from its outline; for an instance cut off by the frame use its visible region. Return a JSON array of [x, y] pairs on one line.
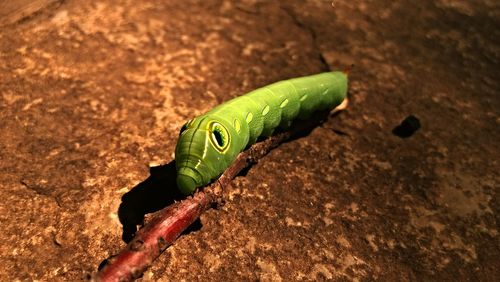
[[93, 93]]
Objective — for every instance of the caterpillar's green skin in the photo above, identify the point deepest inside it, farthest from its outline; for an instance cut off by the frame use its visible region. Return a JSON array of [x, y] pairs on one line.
[[209, 143]]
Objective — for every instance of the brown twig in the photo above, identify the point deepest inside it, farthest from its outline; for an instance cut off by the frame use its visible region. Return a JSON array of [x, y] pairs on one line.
[[170, 222]]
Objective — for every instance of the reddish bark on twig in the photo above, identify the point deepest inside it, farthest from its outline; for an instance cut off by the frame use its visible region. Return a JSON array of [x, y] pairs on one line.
[[170, 222]]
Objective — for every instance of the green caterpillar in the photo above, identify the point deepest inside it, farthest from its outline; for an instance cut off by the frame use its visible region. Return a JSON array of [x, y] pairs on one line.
[[209, 143]]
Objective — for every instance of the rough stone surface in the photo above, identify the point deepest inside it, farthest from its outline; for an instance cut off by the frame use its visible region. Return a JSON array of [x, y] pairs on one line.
[[91, 92]]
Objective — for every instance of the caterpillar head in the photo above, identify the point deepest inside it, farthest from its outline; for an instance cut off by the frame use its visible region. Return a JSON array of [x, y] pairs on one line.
[[203, 152]]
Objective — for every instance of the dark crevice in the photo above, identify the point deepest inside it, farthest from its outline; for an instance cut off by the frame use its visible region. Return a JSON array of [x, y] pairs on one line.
[[324, 64], [40, 191], [22, 13]]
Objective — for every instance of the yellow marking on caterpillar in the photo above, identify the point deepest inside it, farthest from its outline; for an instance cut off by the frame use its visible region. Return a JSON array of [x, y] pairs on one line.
[[265, 110]]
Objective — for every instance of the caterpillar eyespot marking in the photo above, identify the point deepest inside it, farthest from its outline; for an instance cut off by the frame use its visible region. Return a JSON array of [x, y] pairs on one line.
[[219, 140], [219, 136], [209, 143]]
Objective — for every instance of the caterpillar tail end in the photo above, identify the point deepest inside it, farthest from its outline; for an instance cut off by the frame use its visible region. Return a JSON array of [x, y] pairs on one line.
[[342, 106], [348, 70]]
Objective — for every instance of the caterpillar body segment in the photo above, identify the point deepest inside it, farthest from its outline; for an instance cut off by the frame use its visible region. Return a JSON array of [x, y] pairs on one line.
[[209, 143]]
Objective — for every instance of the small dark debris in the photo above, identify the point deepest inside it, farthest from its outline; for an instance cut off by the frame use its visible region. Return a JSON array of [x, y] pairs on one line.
[[102, 264], [407, 127], [136, 246], [111, 259], [340, 132]]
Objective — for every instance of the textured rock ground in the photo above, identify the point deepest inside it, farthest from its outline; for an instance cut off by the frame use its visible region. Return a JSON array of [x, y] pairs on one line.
[[91, 92]]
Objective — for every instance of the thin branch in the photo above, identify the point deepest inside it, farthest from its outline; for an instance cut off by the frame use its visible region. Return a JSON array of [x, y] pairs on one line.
[[170, 222]]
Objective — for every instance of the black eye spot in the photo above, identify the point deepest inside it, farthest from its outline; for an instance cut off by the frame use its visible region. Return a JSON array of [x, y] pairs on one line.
[[218, 137]]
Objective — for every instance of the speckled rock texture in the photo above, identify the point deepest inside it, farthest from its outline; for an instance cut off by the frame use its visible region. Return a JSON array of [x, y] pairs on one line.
[[94, 92]]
